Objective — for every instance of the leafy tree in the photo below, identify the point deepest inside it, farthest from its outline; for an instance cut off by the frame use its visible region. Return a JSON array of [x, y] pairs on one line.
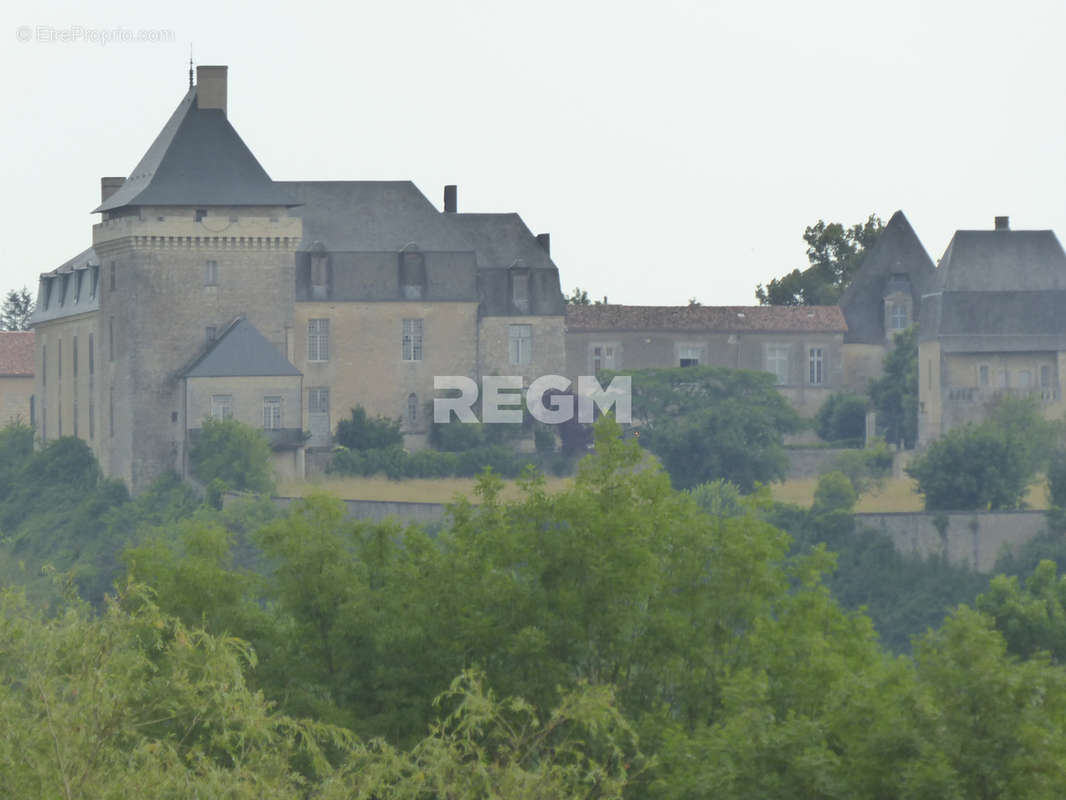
[[972, 467], [707, 423], [895, 395], [578, 297], [1056, 479], [16, 310], [720, 498], [866, 468], [834, 492], [842, 416], [233, 455], [835, 254], [1032, 619], [361, 432]]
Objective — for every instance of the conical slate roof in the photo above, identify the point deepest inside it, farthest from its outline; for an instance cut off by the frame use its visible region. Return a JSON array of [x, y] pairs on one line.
[[241, 351], [198, 159], [897, 251]]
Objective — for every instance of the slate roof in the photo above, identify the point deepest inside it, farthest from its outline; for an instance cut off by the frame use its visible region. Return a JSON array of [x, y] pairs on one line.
[[501, 241], [998, 290], [897, 251], [732, 319], [67, 298], [16, 354], [241, 351], [198, 159]]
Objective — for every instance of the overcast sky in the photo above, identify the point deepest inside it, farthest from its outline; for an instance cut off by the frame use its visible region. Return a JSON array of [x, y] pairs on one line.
[[672, 149]]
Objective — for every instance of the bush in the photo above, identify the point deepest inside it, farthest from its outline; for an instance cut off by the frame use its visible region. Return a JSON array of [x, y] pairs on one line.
[[834, 493], [867, 468], [1056, 479], [971, 468], [456, 436], [842, 416], [360, 432], [234, 454], [544, 440], [396, 464]]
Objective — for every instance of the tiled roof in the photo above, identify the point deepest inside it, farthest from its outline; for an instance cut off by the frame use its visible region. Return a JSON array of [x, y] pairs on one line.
[[823, 319], [16, 354]]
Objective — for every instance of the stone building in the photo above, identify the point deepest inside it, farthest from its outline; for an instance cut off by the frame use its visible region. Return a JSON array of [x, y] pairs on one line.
[[362, 289], [802, 346], [16, 377], [992, 326]]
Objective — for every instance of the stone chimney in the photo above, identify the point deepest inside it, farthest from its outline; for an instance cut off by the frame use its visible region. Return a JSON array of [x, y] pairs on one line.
[[545, 241], [451, 198], [108, 186], [211, 87], [1002, 223]]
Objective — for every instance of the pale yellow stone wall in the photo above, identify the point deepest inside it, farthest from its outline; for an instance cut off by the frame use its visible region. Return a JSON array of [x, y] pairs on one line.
[[247, 394], [15, 394], [56, 392], [862, 363], [930, 408], [548, 353], [366, 366]]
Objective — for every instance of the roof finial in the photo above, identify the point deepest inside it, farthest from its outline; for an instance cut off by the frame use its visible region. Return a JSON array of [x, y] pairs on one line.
[[190, 66]]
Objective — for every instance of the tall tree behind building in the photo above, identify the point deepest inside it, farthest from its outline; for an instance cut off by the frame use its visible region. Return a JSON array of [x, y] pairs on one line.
[[16, 310], [834, 253]]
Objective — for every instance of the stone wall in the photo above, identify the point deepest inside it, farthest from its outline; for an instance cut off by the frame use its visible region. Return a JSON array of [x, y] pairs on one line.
[[972, 538]]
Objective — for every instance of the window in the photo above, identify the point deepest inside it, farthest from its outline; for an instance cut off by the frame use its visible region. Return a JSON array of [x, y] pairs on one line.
[[899, 316], [1045, 376], [46, 290], [1002, 379], [77, 285], [520, 348], [1025, 379], [412, 340], [520, 291], [211, 273], [92, 418], [815, 373], [412, 408], [113, 282], [110, 338], [44, 365], [318, 340], [93, 281], [982, 375], [603, 357], [222, 406], [318, 401], [111, 411], [74, 358], [200, 214], [59, 361], [777, 362], [412, 275], [92, 360], [272, 413], [689, 355]]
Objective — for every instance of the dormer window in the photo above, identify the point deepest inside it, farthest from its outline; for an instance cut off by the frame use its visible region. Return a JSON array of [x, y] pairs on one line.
[[319, 272], [200, 214], [46, 293], [899, 317], [77, 285], [94, 279], [520, 290], [412, 274], [63, 289]]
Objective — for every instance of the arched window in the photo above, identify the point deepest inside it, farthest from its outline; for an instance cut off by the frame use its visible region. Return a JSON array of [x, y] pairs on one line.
[[412, 408]]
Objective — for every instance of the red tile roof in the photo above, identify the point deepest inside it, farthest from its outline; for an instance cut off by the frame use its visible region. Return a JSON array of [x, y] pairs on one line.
[[752, 319], [16, 354]]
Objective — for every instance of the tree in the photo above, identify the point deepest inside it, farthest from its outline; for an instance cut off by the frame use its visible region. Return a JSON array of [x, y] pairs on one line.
[[842, 416], [361, 432], [233, 456], [707, 423], [835, 254], [1031, 619], [972, 467], [895, 395], [578, 297], [834, 492], [16, 310]]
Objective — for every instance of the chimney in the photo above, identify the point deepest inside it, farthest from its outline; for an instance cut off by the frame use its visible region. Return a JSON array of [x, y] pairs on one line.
[[545, 241], [1002, 223], [108, 186], [451, 198], [211, 88]]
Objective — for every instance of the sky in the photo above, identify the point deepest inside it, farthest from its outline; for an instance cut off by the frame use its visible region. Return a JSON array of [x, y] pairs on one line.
[[673, 150]]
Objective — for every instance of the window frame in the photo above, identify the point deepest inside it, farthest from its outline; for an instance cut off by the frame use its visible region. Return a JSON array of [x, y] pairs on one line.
[[221, 407], [273, 412], [318, 343], [519, 354], [412, 340], [780, 354], [816, 366]]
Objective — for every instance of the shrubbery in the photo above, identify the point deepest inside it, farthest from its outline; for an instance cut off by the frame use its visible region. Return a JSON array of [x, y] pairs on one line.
[[842, 417], [360, 432], [395, 463]]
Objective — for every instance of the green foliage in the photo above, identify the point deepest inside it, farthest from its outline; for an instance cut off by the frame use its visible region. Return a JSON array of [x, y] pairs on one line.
[[578, 297], [397, 464], [973, 467], [16, 309], [894, 396], [1032, 619], [842, 416], [834, 492], [866, 468], [1056, 479], [455, 436], [719, 498], [835, 254], [544, 439], [233, 453], [360, 432], [706, 423]]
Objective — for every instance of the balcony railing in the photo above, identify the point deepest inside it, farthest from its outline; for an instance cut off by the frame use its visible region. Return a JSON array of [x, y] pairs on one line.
[[1043, 395]]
